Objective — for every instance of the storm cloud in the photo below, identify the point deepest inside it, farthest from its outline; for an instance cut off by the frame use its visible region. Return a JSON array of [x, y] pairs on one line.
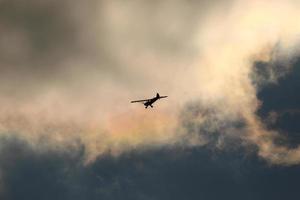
[[160, 173]]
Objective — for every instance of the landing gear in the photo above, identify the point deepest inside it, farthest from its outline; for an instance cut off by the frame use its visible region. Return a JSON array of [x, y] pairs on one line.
[[148, 105]]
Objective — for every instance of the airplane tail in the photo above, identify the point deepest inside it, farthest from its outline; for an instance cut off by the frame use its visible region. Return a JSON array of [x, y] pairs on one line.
[[157, 95]]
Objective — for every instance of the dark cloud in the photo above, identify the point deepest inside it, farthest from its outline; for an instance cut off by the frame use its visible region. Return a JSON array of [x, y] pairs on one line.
[[282, 100], [160, 174], [268, 72], [205, 123]]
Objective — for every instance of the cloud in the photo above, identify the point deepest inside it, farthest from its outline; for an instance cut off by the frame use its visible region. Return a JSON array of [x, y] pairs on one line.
[[71, 70], [161, 173], [77, 71]]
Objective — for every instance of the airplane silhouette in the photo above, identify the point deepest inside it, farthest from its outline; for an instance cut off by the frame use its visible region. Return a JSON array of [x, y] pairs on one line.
[[149, 102]]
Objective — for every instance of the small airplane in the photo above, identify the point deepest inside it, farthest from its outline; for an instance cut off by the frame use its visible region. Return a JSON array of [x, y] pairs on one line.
[[149, 102]]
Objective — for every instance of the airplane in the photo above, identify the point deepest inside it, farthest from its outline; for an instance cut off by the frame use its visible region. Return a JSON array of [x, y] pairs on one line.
[[149, 102]]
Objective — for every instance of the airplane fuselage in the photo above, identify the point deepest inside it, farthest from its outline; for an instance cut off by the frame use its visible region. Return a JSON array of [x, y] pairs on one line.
[[150, 102]]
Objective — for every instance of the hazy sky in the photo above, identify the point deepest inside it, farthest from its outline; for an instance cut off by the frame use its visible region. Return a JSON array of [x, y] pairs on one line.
[[229, 127]]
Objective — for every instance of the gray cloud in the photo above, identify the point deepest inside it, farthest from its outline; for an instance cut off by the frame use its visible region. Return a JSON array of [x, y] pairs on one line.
[[162, 173]]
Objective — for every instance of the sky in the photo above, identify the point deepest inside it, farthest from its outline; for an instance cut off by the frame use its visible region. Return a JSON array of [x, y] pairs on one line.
[[228, 129]]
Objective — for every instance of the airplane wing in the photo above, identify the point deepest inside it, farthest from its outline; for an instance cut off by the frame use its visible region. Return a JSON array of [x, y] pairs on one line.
[[140, 101]]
